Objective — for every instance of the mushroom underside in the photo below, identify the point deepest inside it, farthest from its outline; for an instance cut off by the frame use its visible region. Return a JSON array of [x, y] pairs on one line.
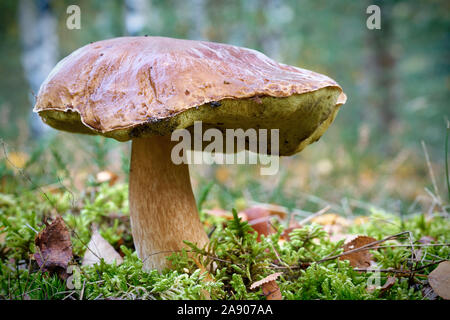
[[301, 118]]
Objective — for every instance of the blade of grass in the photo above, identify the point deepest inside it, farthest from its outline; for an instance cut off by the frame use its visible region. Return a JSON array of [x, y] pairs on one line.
[[446, 159]]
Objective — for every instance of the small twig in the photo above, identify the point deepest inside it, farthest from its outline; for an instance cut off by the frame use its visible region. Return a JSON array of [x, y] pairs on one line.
[[68, 296], [278, 257], [415, 245], [315, 215], [430, 264], [82, 290], [404, 272], [365, 247]]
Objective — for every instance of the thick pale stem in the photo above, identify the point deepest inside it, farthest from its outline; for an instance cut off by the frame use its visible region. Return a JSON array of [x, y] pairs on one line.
[[162, 205]]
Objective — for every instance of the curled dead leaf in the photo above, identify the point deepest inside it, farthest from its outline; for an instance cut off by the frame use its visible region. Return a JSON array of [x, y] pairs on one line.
[[439, 280], [54, 248], [99, 248], [359, 259], [269, 286]]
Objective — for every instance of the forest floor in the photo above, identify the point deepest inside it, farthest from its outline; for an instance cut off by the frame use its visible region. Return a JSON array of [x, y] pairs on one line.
[[260, 248]]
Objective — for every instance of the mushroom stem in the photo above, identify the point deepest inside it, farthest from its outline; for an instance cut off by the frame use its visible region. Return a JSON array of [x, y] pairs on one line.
[[162, 206]]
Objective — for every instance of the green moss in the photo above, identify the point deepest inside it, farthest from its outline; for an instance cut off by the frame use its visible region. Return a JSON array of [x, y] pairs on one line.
[[229, 264]]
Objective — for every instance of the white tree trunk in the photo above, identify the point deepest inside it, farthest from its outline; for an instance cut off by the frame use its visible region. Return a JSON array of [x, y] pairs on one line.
[[38, 32]]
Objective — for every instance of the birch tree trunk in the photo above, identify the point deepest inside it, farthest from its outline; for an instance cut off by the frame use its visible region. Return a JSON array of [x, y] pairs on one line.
[[38, 32]]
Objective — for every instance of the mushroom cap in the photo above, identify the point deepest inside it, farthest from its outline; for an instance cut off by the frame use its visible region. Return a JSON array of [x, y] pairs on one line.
[[140, 86]]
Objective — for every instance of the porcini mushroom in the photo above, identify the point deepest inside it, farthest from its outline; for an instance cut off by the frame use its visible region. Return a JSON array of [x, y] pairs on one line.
[[144, 88]]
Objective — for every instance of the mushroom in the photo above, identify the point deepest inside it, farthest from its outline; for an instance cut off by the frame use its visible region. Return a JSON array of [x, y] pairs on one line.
[[144, 88], [269, 286]]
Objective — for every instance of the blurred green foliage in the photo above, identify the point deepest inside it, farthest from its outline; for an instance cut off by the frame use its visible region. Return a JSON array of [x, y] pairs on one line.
[[326, 36]]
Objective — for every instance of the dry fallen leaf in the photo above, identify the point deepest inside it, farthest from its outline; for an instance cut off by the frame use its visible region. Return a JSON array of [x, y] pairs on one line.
[[359, 259], [274, 209], [439, 280], [53, 248], [269, 286], [259, 219], [99, 248], [107, 176], [387, 285]]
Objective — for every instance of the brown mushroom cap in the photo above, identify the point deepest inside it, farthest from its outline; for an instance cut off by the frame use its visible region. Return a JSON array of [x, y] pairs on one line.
[[141, 86]]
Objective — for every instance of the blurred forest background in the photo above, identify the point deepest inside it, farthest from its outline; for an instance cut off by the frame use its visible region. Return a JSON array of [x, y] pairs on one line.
[[396, 79]]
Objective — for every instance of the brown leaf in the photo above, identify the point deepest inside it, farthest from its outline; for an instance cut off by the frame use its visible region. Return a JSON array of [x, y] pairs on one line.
[[99, 248], [53, 248], [439, 280], [359, 259], [275, 209], [383, 289], [269, 287], [259, 219]]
